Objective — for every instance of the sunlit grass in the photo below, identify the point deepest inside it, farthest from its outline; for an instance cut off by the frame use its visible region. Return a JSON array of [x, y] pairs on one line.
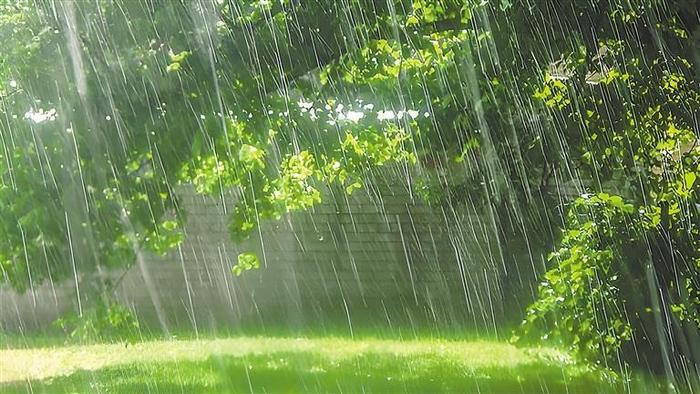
[[48, 362], [262, 364]]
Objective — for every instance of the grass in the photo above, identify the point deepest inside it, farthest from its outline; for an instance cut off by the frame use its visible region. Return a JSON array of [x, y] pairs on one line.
[[267, 364]]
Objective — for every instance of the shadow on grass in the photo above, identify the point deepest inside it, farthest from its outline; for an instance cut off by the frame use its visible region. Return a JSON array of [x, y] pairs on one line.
[[309, 372]]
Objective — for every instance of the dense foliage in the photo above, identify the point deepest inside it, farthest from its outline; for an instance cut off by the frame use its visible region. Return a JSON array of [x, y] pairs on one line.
[[627, 274], [111, 104]]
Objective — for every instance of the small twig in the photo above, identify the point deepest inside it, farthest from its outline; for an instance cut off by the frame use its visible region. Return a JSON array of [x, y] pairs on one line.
[[11, 93], [119, 280]]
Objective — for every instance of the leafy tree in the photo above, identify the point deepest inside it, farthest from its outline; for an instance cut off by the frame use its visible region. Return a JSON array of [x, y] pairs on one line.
[[627, 274], [139, 103]]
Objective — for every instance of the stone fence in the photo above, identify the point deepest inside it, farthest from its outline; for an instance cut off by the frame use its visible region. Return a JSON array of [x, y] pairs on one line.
[[379, 257]]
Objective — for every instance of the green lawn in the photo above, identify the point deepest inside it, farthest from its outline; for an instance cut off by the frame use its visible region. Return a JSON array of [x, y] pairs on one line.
[[257, 364]]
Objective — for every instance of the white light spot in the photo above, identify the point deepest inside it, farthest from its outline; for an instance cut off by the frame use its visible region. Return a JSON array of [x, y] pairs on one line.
[[355, 116], [386, 115], [40, 115]]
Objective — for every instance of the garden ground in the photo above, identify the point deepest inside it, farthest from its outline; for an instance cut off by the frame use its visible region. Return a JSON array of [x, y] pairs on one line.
[[274, 364]]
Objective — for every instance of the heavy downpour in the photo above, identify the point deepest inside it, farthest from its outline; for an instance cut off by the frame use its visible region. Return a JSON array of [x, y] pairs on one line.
[[475, 196]]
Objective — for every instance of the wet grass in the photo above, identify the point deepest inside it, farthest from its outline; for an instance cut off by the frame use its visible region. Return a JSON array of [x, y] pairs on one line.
[[336, 328], [263, 364]]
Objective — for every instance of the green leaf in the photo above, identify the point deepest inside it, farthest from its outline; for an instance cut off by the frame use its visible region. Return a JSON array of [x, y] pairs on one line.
[[412, 20], [617, 202], [251, 155], [689, 179], [173, 67], [179, 57], [352, 187], [246, 261]]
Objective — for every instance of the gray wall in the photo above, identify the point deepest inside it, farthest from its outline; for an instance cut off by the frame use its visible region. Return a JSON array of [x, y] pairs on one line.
[[377, 257]]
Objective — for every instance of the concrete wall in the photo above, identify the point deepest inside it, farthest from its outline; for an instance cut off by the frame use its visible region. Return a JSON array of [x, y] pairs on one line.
[[377, 257]]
